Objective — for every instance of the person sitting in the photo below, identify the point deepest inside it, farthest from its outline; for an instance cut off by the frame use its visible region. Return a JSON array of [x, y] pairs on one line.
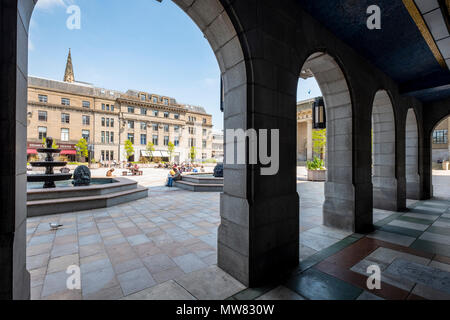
[[170, 178], [177, 175], [202, 169], [109, 172]]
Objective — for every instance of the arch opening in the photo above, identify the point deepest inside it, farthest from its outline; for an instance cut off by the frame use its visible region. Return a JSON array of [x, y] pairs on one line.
[[440, 159], [383, 153]]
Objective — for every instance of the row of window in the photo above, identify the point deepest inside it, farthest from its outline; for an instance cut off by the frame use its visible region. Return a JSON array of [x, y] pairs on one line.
[[155, 126], [65, 118], [66, 102], [154, 99], [440, 136], [42, 133], [194, 119], [155, 113], [155, 140], [108, 122], [107, 155], [107, 137]]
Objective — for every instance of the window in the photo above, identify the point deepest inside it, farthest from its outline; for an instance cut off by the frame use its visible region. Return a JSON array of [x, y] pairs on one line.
[[204, 120], [166, 140], [204, 144], [112, 109], [42, 132], [86, 104], [107, 136], [107, 155], [130, 124], [191, 130], [85, 135], [111, 122], [144, 111], [176, 128], [107, 107], [166, 128], [440, 136], [155, 99], [144, 139], [203, 156], [130, 109], [42, 115], [131, 137], [204, 132], [64, 134], [155, 127], [166, 114], [65, 118], [103, 155], [103, 108], [176, 116], [111, 137], [155, 139], [103, 137], [103, 122], [43, 98], [143, 125], [143, 97], [107, 122], [166, 101], [176, 142], [155, 113], [65, 102], [112, 155], [191, 142], [86, 120]]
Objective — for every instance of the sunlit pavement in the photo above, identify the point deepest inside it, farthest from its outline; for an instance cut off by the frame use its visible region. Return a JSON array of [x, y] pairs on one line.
[[164, 247]]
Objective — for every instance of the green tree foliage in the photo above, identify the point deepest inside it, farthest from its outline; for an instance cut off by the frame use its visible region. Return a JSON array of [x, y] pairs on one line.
[[150, 148], [170, 150], [82, 148], [54, 145], [129, 149], [192, 153], [319, 138]]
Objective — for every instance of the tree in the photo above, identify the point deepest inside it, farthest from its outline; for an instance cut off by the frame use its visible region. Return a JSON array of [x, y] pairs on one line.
[[319, 138], [82, 148], [150, 148], [192, 153], [170, 150], [129, 149]]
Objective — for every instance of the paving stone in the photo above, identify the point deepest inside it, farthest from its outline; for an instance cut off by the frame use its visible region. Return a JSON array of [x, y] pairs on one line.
[[189, 263], [62, 263], [169, 290], [135, 281], [158, 262], [392, 237], [98, 280], [281, 293]]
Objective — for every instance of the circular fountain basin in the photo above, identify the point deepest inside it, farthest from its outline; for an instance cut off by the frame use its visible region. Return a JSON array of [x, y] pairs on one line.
[[48, 177], [48, 164]]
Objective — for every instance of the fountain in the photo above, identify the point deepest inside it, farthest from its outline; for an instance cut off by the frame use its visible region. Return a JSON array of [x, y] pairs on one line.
[[49, 177]]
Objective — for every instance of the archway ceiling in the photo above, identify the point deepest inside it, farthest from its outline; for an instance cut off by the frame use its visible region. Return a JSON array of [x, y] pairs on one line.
[[399, 49]]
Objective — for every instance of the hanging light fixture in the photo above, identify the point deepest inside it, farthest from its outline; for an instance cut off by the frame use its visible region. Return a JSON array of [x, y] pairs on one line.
[[318, 114]]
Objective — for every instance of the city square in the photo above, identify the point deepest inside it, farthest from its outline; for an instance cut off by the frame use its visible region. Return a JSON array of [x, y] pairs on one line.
[[225, 151]]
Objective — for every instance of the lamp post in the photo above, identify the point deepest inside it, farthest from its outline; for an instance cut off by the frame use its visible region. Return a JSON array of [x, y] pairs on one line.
[[318, 114]]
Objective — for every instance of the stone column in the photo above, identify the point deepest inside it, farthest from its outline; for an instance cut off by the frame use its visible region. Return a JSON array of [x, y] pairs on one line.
[[14, 277], [309, 142], [448, 141]]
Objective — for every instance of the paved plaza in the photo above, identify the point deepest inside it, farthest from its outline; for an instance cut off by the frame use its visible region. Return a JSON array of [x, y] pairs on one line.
[[164, 247]]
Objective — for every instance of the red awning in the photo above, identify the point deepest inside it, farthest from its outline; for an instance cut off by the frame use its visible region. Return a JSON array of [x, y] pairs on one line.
[[31, 151], [74, 152]]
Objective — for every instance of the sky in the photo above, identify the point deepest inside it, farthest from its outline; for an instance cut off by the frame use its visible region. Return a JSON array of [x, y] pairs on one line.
[[140, 44]]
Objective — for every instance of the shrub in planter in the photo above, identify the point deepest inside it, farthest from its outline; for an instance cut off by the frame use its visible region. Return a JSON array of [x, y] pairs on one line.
[[316, 170]]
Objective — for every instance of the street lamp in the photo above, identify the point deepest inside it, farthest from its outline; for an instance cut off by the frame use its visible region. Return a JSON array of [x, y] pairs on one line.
[[318, 114]]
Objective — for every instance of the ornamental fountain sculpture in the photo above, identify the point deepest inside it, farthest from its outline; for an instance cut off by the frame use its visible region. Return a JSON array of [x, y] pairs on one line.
[[49, 177]]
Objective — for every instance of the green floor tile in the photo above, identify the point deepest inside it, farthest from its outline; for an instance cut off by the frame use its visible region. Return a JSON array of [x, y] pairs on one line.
[[402, 231], [415, 220], [387, 220], [439, 230], [431, 247], [316, 285]]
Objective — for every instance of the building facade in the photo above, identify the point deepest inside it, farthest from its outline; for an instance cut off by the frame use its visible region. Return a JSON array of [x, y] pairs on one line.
[[304, 130], [68, 111], [440, 144], [217, 146]]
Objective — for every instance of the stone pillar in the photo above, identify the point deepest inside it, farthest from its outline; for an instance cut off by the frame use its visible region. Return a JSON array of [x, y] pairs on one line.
[[309, 143], [14, 278], [448, 141], [412, 156]]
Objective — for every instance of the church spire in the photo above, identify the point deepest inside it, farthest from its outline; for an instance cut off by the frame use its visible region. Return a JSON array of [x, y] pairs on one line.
[[68, 75]]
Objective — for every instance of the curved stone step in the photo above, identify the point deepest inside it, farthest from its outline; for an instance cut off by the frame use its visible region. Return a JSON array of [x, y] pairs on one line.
[[198, 187], [55, 206]]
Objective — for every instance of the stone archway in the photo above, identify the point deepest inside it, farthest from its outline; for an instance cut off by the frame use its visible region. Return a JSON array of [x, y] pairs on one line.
[[383, 153], [214, 21], [412, 156], [339, 205]]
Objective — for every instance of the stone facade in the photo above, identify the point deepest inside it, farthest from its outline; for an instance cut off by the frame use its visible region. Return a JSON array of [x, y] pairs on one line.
[[304, 130], [107, 118]]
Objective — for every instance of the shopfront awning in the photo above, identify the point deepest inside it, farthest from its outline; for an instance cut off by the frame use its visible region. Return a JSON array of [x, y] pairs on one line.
[[146, 153], [69, 152], [164, 154], [31, 151]]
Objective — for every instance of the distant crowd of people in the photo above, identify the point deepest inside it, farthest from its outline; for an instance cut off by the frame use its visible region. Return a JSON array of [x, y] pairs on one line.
[[176, 171]]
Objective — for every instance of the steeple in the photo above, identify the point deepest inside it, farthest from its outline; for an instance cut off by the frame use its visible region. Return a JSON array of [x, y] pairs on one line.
[[68, 75]]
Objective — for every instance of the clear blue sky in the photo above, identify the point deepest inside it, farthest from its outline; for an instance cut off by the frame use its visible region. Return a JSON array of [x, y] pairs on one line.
[[139, 44]]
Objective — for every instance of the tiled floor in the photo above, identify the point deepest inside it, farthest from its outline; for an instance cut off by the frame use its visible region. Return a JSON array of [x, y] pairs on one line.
[[165, 247]]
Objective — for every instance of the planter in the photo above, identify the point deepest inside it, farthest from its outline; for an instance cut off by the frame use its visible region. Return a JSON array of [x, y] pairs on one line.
[[317, 175]]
